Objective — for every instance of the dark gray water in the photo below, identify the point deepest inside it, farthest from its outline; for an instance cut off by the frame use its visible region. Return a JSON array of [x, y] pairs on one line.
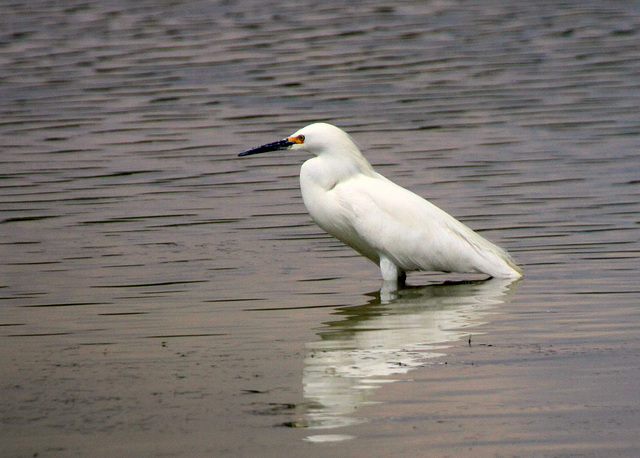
[[160, 296]]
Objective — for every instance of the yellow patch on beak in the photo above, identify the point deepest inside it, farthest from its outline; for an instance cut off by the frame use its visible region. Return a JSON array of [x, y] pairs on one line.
[[298, 139]]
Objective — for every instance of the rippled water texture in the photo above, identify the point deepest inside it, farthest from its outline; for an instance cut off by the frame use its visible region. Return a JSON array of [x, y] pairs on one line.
[[162, 297]]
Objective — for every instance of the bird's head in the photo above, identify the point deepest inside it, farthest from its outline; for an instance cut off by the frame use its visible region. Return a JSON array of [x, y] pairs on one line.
[[318, 139]]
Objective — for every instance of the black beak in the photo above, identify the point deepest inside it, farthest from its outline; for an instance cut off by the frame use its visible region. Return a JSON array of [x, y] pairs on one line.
[[285, 143]]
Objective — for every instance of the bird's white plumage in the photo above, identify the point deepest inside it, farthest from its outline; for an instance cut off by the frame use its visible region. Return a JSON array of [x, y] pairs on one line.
[[393, 227]]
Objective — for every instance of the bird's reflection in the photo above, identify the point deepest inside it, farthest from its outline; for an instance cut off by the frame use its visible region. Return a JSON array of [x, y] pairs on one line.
[[371, 343]]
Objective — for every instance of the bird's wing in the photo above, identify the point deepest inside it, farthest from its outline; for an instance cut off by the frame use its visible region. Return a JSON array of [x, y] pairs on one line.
[[412, 232]]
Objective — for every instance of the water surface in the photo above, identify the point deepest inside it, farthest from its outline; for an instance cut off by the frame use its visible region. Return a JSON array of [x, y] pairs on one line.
[[160, 296]]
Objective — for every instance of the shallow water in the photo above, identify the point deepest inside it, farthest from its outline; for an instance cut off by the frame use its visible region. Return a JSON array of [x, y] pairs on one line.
[[160, 296]]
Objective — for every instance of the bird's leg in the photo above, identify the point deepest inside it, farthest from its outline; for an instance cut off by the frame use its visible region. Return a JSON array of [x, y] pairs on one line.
[[392, 276]]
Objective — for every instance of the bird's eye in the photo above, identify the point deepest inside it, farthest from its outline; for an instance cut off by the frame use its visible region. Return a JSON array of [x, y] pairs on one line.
[[300, 139]]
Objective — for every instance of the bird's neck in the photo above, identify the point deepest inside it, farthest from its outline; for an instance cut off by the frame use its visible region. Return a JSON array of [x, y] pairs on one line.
[[328, 170]]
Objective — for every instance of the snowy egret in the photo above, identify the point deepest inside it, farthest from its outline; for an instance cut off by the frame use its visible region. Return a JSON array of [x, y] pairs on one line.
[[393, 227]]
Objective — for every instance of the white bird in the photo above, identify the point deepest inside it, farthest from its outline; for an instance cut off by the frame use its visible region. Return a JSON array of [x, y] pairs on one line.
[[393, 227]]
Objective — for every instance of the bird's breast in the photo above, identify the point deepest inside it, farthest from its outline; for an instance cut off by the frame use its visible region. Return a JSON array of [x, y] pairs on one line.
[[327, 207], [316, 193]]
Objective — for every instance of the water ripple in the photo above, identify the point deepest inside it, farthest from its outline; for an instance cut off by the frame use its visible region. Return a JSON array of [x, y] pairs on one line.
[[126, 218]]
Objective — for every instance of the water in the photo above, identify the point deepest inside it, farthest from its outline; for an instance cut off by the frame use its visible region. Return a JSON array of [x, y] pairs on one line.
[[160, 296]]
